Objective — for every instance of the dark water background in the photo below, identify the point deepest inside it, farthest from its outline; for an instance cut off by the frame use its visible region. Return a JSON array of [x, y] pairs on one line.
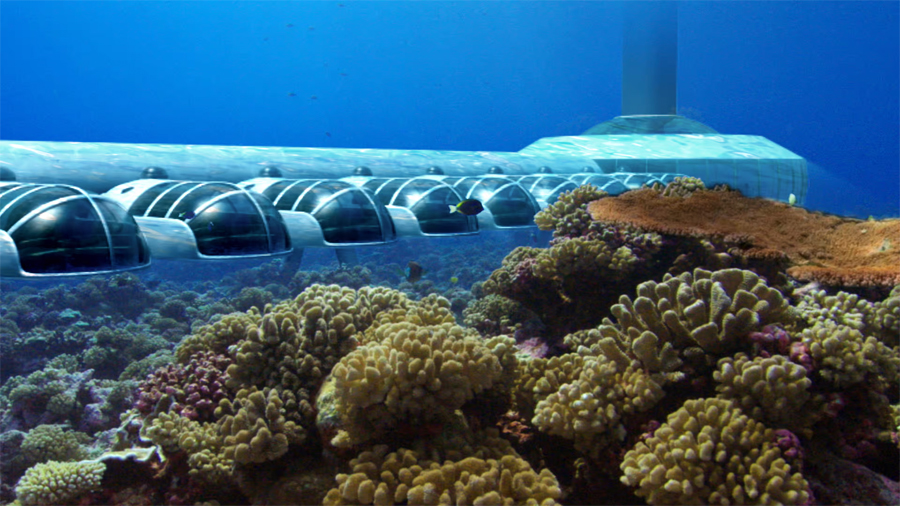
[[820, 78]]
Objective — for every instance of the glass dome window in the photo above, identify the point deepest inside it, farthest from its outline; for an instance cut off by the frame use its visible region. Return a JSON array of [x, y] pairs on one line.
[[605, 182], [430, 200], [225, 219], [509, 203], [350, 216], [633, 181], [63, 230], [547, 188], [346, 213]]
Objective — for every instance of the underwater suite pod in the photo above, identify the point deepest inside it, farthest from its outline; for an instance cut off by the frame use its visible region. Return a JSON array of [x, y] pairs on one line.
[[60, 230], [313, 197], [203, 220], [327, 212]]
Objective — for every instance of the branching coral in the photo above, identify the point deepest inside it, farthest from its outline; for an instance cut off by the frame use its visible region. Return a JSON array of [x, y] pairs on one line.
[[707, 314], [255, 428], [196, 387], [590, 409], [49, 442], [410, 372], [844, 356], [770, 389], [488, 476], [710, 452], [568, 216], [59, 482]]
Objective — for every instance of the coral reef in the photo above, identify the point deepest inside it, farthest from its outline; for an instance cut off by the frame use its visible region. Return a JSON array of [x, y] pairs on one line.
[[832, 250]]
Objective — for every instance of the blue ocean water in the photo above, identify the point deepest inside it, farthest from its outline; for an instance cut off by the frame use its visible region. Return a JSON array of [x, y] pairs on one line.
[[820, 78]]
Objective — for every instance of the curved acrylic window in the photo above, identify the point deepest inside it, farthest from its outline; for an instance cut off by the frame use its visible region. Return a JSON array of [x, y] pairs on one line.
[[432, 210], [142, 203], [511, 206], [230, 225], [351, 217]]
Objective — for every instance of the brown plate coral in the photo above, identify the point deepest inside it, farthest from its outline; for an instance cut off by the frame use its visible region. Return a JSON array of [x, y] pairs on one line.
[[831, 250]]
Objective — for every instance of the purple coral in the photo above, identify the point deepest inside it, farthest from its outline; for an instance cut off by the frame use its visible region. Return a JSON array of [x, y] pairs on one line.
[[196, 387], [774, 340], [789, 444]]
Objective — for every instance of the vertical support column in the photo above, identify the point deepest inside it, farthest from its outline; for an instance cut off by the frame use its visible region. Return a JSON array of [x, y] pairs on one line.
[[649, 58]]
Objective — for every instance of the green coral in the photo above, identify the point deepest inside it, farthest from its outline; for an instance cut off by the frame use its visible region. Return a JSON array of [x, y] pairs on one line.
[[254, 427], [410, 372], [50, 442], [681, 186], [710, 452], [59, 482], [883, 321]]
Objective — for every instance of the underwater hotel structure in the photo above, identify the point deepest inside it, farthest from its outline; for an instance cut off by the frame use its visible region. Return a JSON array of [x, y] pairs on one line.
[[80, 208]]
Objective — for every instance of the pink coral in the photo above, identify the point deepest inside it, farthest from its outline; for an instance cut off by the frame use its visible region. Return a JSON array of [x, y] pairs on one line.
[[195, 387]]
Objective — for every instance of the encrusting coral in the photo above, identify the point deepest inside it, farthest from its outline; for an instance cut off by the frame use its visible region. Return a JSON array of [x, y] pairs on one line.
[[829, 249], [59, 482], [710, 452]]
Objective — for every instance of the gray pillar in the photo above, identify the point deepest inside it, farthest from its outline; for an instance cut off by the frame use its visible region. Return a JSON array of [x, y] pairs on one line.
[[649, 58]]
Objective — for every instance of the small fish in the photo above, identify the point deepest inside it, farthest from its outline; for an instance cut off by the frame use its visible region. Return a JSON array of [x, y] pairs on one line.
[[289, 25], [414, 272], [468, 207], [454, 279], [328, 134], [265, 39], [344, 74], [533, 238], [311, 28], [292, 94], [186, 216], [210, 226], [313, 97]]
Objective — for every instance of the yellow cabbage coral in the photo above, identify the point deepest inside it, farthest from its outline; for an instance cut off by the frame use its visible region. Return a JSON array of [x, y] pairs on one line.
[[59, 482], [710, 452]]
